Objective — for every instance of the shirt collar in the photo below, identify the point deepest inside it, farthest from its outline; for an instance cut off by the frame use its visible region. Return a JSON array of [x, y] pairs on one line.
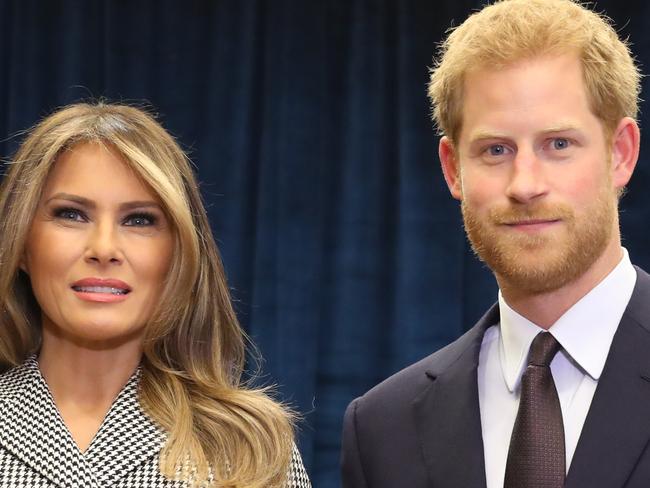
[[585, 331]]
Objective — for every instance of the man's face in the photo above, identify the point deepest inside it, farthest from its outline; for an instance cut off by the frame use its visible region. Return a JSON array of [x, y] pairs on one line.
[[534, 173]]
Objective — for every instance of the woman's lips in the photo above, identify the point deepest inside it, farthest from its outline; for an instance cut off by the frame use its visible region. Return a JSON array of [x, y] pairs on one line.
[[104, 290]]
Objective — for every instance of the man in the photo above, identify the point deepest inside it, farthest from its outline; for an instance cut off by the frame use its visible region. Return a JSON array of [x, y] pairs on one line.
[[537, 101]]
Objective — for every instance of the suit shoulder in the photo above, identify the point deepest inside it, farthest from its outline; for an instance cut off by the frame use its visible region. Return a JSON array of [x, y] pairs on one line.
[[396, 393], [405, 385], [638, 307]]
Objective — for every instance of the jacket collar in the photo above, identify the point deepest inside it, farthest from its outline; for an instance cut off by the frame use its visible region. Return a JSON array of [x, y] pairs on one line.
[[617, 427], [447, 415], [32, 429]]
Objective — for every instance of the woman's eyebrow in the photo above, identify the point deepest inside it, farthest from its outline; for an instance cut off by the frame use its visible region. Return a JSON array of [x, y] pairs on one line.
[[86, 202], [139, 204], [72, 198]]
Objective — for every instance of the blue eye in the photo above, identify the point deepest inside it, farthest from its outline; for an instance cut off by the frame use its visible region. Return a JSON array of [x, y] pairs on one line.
[[140, 220], [497, 150], [69, 213], [560, 143]]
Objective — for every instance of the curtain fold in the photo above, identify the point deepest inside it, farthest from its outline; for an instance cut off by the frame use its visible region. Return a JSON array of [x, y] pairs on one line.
[[309, 127]]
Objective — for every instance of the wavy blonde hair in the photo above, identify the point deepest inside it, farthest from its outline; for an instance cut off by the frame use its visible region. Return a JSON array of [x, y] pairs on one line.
[[513, 30], [194, 350]]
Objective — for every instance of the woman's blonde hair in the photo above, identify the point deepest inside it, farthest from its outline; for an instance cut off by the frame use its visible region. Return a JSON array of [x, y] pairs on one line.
[[513, 30], [194, 349]]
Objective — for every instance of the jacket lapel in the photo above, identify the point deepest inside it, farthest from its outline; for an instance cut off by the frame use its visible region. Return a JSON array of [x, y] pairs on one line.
[[33, 431], [617, 427], [447, 413], [127, 438]]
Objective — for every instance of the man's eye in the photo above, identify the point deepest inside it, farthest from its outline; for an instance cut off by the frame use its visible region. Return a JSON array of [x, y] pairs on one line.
[[140, 220], [560, 143], [497, 150]]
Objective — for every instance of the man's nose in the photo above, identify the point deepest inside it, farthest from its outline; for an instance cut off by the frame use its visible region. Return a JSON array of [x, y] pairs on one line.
[[527, 178], [102, 246]]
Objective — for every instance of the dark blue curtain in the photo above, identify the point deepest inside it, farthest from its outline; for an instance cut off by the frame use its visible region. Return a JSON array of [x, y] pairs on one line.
[[309, 127]]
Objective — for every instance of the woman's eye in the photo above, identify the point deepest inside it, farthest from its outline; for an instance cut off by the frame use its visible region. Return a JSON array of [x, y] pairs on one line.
[[140, 220], [560, 143], [69, 214]]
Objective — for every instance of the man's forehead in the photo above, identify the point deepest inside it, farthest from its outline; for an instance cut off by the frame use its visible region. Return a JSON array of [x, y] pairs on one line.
[[498, 65], [547, 93]]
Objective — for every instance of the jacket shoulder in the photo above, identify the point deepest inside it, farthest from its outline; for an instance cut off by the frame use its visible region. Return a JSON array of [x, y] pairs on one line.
[[405, 385], [380, 432], [638, 308], [18, 379]]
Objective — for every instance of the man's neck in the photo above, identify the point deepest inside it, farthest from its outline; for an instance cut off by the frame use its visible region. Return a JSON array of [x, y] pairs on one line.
[[544, 309]]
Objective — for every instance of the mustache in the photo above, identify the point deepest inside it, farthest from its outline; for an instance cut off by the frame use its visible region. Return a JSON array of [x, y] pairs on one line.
[[541, 212]]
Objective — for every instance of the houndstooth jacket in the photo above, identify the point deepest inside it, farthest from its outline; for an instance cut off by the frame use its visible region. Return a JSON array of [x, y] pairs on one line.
[[37, 450]]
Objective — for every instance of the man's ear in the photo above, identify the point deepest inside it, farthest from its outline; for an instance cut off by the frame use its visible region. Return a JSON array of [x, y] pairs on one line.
[[625, 151], [450, 167]]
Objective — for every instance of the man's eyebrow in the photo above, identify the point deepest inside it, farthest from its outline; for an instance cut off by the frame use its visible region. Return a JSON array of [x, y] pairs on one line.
[[559, 128], [86, 202], [482, 135]]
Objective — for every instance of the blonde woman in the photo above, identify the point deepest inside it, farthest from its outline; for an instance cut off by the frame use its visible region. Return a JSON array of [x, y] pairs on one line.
[[121, 354]]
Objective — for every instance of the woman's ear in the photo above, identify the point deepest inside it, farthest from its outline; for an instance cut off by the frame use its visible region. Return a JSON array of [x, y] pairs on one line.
[[22, 264]]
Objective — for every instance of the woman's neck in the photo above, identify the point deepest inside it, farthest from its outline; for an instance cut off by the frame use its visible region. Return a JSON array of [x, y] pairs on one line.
[[84, 381]]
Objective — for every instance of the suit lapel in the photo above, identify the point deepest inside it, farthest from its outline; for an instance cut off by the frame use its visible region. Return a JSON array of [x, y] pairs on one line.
[[447, 413], [127, 438], [617, 427], [33, 431]]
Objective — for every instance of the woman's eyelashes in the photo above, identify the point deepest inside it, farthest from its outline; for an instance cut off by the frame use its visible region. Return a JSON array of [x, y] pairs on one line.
[[140, 219], [134, 219], [69, 214]]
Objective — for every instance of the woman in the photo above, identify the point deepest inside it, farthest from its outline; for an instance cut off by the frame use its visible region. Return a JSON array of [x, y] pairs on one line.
[[122, 355]]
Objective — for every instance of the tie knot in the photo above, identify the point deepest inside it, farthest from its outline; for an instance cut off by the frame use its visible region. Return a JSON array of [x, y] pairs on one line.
[[543, 349]]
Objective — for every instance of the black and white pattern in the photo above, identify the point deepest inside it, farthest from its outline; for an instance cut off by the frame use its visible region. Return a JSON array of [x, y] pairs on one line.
[[37, 450]]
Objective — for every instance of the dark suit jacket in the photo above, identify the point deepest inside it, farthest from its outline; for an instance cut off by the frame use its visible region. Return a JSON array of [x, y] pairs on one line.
[[422, 428]]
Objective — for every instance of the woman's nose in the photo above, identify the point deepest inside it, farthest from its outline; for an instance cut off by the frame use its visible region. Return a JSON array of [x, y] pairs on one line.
[[102, 246]]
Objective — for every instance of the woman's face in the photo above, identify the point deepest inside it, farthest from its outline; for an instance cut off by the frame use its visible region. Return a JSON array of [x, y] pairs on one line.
[[98, 250]]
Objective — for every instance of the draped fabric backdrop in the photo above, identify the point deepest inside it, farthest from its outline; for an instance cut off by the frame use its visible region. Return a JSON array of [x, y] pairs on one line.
[[309, 127]]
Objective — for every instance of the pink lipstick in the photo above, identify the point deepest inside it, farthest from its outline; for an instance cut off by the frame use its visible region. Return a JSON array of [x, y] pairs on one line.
[[104, 290]]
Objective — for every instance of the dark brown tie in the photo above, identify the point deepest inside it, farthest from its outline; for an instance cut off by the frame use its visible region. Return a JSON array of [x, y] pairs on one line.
[[536, 455]]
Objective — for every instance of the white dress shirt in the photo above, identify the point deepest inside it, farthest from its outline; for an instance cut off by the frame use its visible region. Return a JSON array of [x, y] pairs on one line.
[[585, 333]]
